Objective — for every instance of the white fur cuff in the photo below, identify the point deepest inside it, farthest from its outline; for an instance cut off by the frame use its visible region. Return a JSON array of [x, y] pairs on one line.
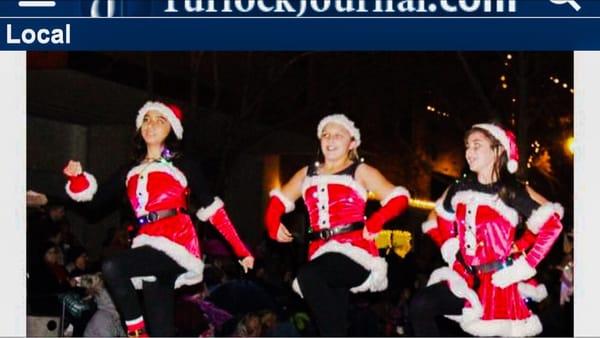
[[519, 271], [540, 216], [428, 225], [88, 193], [289, 205], [398, 191], [205, 213], [536, 293]]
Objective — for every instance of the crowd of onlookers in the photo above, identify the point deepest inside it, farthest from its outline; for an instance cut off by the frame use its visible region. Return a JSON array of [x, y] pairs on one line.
[[63, 281]]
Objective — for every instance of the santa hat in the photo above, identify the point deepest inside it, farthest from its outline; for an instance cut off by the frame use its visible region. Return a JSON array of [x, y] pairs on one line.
[[171, 112], [508, 140], [343, 121]]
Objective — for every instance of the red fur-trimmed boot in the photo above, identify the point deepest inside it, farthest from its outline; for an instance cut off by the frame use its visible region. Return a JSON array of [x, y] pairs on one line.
[[137, 328]]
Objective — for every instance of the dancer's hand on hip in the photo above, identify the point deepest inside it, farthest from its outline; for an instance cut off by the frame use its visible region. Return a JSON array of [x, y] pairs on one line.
[[369, 236], [283, 234]]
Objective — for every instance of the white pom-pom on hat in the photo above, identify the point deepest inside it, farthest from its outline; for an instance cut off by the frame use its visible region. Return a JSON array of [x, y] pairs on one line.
[[508, 140]]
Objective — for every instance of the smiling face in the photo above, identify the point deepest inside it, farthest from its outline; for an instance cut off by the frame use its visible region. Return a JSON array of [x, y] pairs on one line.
[[336, 142], [481, 153], [155, 128]]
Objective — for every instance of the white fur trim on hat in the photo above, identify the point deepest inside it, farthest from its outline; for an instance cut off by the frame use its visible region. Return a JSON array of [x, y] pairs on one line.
[[205, 213], [84, 195], [500, 135], [193, 265], [165, 111], [536, 293], [289, 205], [541, 215], [342, 120], [428, 225], [398, 191]]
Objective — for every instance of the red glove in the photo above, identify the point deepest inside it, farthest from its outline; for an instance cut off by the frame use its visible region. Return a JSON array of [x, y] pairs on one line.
[[545, 222], [216, 214], [393, 205], [277, 206], [430, 228], [525, 241]]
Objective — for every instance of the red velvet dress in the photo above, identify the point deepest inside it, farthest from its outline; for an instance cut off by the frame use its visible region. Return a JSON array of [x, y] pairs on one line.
[[159, 186], [481, 227], [337, 200]]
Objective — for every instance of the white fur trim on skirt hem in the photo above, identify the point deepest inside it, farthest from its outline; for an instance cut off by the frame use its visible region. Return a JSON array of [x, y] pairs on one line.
[[504, 327], [377, 279], [193, 265]]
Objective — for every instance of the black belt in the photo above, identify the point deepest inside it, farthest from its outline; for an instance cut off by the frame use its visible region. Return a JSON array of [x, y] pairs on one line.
[[326, 234], [493, 266], [160, 214]]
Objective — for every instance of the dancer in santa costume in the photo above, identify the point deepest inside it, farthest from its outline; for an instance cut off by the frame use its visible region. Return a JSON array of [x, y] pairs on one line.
[[489, 272], [165, 252], [342, 254]]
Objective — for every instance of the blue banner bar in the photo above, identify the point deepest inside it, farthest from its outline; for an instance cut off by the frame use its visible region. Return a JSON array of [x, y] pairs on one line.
[[291, 34], [299, 8], [299, 24]]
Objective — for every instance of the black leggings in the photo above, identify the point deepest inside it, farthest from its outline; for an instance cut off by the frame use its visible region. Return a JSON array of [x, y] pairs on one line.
[[325, 283], [428, 305], [158, 296]]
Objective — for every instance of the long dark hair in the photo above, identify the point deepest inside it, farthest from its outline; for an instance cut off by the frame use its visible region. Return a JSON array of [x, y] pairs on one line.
[[139, 146], [505, 180]]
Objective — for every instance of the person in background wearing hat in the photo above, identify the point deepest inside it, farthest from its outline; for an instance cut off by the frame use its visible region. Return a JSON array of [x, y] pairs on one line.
[[165, 252], [342, 254], [489, 272]]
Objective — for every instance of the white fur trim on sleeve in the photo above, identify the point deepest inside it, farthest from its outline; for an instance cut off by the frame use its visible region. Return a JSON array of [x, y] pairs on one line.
[[540, 216], [88, 193], [441, 212], [428, 225], [536, 293], [398, 191], [519, 271], [289, 204], [449, 250], [205, 213]]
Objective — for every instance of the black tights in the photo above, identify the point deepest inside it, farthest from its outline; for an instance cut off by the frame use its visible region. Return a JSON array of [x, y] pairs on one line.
[[428, 305], [325, 283], [158, 296]]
